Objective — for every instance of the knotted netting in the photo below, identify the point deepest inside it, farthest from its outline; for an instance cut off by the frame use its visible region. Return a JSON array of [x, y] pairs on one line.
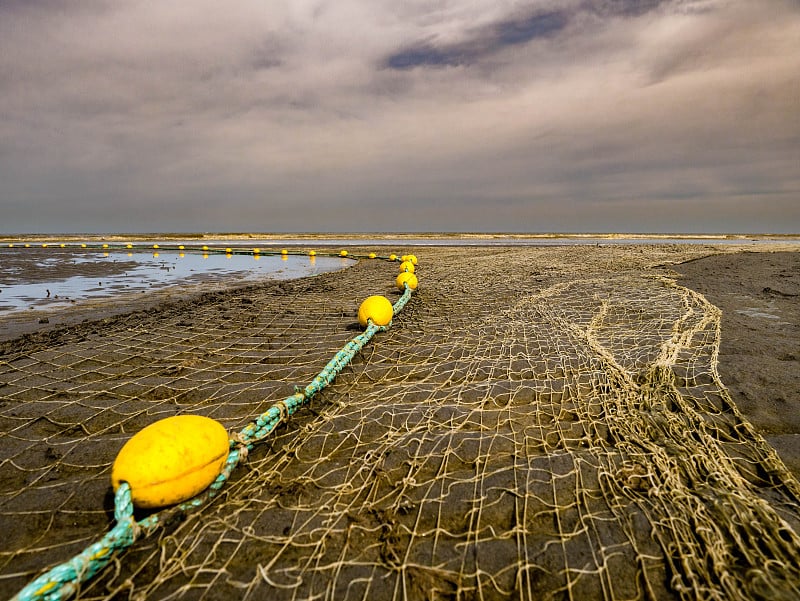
[[537, 424]]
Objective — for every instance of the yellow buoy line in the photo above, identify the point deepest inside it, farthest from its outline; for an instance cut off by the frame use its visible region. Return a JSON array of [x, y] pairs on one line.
[[156, 247], [179, 463]]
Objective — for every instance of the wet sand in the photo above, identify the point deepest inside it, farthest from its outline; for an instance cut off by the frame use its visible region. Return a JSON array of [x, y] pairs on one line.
[[759, 360], [460, 288]]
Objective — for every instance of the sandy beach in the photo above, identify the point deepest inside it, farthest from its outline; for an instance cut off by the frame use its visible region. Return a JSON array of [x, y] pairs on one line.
[[576, 422]]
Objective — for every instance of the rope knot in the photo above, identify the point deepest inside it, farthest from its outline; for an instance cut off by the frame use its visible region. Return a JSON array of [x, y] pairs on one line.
[[240, 439], [281, 405]]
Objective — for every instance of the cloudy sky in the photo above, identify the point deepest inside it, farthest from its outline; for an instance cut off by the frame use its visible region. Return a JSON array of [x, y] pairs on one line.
[[393, 115]]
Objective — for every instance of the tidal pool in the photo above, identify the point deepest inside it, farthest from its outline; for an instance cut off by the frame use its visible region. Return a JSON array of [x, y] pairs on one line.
[[47, 278]]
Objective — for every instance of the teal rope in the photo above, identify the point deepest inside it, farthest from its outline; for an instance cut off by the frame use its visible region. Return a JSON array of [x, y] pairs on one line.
[[62, 581], [402, 301]]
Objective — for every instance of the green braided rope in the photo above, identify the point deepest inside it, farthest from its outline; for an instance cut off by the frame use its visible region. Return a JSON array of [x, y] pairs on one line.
[[62, 581]]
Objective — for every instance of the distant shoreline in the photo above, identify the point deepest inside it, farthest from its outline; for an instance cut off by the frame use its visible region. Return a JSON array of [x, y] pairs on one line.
[[404, 237]]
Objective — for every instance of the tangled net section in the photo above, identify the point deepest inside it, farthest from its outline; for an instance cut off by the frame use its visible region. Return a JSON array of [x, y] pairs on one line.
[[552, 426]]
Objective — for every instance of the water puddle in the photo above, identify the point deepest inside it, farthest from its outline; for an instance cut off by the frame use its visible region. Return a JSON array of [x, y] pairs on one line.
[[761, 312], [43, 278]]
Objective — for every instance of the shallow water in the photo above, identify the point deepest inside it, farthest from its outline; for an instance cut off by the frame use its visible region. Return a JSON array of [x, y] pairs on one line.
[[48, 279]]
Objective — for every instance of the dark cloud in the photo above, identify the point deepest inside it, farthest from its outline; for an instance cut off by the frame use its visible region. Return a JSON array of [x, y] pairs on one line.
[[626, 8], [511, 31], [485, 42], [426, 55], [522, 31]]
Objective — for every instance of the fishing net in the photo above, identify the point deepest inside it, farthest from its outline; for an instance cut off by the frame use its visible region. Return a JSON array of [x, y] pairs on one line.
[[538, 423]]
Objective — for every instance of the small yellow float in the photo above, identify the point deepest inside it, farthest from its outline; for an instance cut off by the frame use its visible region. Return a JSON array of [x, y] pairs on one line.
[[406, 278]]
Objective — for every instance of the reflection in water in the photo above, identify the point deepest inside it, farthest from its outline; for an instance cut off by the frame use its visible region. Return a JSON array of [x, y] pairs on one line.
[[150, 271]]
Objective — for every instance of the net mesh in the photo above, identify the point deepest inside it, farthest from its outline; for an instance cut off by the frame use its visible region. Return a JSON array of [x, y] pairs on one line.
[[538, 424]]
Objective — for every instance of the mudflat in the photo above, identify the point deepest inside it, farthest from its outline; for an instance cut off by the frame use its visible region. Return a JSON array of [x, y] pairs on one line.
[[538, 423], [759, 359]]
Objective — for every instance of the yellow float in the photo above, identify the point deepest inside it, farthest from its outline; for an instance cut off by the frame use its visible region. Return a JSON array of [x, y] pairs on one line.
[[171, 460], [407, 278], [376, 308], [407, 266]]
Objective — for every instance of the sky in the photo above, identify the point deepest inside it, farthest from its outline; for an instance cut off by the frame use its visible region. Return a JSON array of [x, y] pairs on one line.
[[400, 116]]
